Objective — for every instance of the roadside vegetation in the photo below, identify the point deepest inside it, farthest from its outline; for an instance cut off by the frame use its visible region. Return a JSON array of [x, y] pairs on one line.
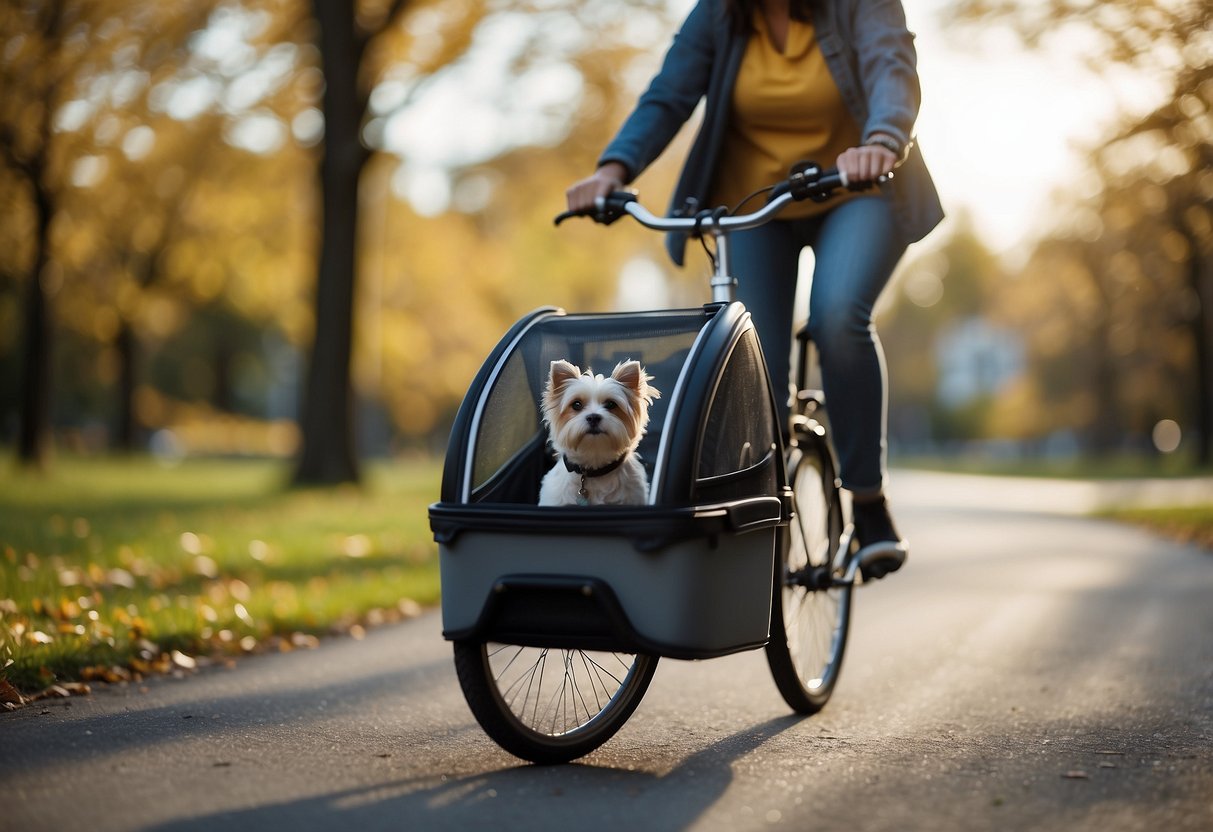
[[1190, 524], [1106, 467], [112, 569]]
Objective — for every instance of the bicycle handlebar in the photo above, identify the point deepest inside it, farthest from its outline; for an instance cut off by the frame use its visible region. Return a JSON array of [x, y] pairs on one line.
[[808, 182]]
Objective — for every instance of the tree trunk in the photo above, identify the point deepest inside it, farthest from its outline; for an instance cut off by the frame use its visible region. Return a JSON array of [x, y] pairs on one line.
[[1106, 429], [33, 441], [124, 428], [327, 422], [1201, 328]]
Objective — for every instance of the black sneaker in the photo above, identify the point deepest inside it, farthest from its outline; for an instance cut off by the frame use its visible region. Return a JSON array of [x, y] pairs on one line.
[[881, 549]]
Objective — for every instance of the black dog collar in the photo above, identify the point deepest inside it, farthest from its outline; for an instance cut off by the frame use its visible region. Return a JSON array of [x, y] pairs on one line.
[[593, 472], [583, 495]]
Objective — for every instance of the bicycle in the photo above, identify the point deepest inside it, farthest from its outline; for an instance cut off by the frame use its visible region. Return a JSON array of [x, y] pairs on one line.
[[542, 683]]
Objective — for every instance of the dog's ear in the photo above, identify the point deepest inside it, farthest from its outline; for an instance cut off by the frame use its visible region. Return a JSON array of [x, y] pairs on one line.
[[561, 373], [631, 375]]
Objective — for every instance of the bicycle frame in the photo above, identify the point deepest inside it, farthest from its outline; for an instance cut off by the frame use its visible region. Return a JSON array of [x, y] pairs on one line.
[[724, 286]]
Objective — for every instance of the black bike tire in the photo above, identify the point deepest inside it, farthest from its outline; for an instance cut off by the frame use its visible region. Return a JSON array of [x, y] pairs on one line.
[[799, 695], [508, 731]]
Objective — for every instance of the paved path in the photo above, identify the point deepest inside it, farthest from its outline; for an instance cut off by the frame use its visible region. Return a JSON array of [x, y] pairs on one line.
[[1029, 670], [1048, 496]]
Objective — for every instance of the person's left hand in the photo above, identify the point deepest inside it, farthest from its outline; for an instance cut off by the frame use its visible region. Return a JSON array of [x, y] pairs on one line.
[[865, 163]]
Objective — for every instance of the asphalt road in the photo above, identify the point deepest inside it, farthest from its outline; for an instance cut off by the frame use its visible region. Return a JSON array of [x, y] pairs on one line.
[[1030, 669]]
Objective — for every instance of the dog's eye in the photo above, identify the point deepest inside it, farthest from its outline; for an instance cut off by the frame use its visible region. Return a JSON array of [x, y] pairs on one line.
[[577, 404], [609, 405]]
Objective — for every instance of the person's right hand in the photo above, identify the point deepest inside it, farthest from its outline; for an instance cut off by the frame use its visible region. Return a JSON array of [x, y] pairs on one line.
[[582, 195]]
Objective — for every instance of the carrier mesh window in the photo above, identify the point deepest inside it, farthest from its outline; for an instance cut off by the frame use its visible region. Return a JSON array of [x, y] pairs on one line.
[[740, 428], [509, 424], [510, 453]]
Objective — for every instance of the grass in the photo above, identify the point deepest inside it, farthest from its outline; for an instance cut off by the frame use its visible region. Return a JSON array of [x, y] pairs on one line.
[[1124, 466], [113, 569], [1190, 524]]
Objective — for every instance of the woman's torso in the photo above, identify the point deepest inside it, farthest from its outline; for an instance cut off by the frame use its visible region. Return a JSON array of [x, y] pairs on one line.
[[785, 108]]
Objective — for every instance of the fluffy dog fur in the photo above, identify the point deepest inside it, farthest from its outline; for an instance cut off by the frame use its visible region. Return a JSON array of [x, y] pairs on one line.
[[594, 424]]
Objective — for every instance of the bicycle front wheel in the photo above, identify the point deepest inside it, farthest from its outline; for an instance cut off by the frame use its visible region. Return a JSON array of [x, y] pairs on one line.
[[810, 616], [549, 705]]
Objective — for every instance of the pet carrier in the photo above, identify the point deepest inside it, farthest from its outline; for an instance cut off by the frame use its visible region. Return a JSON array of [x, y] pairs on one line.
[[686, 575]]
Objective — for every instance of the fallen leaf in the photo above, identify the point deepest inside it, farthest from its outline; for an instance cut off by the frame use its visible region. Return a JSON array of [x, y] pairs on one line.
[[9, 695], [1076, 774], [120, 577], [356, 546]]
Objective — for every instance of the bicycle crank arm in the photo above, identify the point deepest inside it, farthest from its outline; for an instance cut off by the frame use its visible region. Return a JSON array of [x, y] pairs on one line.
[[842, 553], [818, 578], [848, 578]]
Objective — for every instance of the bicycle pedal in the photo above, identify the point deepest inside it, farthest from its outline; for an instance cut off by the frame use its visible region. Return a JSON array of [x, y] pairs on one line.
[[880, 559]]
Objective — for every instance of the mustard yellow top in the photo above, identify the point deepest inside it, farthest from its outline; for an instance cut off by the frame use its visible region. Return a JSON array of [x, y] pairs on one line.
[[786, 109]]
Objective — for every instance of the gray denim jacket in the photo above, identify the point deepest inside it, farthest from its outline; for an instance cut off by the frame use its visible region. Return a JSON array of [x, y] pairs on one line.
[[871, 55]]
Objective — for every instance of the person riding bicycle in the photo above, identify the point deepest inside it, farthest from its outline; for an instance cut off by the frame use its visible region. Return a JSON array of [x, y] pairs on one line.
[[785, 81]]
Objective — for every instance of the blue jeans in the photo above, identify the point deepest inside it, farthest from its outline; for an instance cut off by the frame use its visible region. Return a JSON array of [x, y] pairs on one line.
[[856, 246]]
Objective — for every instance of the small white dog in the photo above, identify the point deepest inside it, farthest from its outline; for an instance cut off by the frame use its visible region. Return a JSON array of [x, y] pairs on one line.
[[595, 424]]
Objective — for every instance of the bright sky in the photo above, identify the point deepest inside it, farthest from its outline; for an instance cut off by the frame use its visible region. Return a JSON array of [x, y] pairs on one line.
[[1002, 128]]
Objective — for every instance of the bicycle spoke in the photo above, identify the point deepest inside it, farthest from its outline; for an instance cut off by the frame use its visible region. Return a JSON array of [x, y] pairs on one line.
[[552, 693]]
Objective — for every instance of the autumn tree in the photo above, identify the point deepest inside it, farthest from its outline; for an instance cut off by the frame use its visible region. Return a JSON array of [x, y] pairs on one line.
[[1140, 253], [395, 48], [1168, 155], [442, 287], [194, 193], [356, 42], [37, 63], [186, 218], [54, 55]]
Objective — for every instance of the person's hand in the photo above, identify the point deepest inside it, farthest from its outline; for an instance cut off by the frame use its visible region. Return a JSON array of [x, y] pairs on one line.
[[582, 195], [865, 163]]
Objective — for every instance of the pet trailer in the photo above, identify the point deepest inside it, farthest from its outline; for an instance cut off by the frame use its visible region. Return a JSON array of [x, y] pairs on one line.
[[602, 591], [688, 574]]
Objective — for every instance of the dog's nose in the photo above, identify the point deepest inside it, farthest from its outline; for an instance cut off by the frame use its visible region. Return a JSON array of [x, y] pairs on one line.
[[593, 419]]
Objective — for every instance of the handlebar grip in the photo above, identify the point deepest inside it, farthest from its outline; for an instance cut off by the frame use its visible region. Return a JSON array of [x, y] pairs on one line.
[[605, 211], [809, 181]]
